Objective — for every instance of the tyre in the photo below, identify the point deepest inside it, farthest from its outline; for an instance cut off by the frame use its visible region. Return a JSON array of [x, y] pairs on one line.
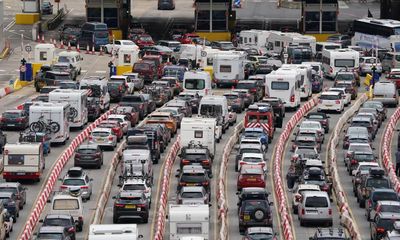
[[36, 127], [115, 219], [258, 214], [55, 127]]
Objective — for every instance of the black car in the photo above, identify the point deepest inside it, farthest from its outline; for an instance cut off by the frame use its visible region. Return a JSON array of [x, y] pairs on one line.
[[66, 221], [116, 89], [50, 78], [254, 86], [88, 155], [320, 117], [70, 34], [374, 180], [14, 119], [94, 110], [254, 213], [66, 67], [11, 203], [137, 101], [382, 223], [330, 233], [252, 193], [196, 155], [316, 175], [193, 175], [131, 206]]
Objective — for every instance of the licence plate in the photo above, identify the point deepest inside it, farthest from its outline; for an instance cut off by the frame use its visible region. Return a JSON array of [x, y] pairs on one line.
[[246, 217], [11, 125], [191, 184], [251, 180], [378, 95], [130, 206], [101, 139], [21, 173]]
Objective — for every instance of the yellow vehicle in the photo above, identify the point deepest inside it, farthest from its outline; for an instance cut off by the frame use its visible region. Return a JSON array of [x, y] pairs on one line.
[[165, 118]]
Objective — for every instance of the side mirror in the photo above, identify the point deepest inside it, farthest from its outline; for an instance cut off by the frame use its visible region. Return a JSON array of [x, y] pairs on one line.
[[292, 140], [180, 155], [114, 197], [91, 179], [119, 185], [328, 116], [210, 205], [140, 236], [271, 203], [41, 220], [60, 179]]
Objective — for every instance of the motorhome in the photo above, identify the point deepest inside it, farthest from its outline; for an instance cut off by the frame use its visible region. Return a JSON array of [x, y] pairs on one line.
[[199, 131], [337, 60], [191, 52], [306, 78], [23, 161], [197, 82], [77, 99], [228, 68], [137, 163], [51, 118], [278, 41], [321, 46], [98, 86], [188, 220], [73, 58], [254, 38], [216, 107], [284, 83], [114, 232]]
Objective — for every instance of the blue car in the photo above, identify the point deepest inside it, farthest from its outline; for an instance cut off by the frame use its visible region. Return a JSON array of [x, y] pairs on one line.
[[174, 71], [257, 133], [42, 137]]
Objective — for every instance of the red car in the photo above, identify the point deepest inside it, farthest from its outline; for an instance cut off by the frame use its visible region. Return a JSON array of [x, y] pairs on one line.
[[130, 112], [115, 126], [187, 38], [394, 76], [251, 176], [143, 40], [157, 60]]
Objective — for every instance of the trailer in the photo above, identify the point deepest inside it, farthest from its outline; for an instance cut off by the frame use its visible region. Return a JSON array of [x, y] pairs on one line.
[[189, 221], [199, 131]]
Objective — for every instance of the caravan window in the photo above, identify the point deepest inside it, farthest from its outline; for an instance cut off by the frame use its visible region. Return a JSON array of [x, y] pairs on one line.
[[210, 110], [277, 44], [16, 159], [255, 39], [279, 85], [225, 68], [186, 228], [344, 63], [198, 134], [194, 84]]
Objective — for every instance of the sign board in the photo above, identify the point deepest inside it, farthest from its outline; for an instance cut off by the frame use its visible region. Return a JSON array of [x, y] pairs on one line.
[[203, 54], [28, 48]]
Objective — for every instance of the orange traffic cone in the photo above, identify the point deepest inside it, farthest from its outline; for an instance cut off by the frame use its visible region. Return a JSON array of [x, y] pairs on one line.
[[42, 38], [78, 48], [93, 51], [69, 46], [55, 43], [38, 39], [87, 49], [62, 44], [101, 51]]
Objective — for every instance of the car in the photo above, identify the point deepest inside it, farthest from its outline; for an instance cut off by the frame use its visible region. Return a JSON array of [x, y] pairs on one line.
[[252, 159], [346, 96], [192, 195], [138, 82], [196, 155], [117, 89], [302, 140], [356, 147], [138, 102], [313, 133], [166, 4], [14, 119], [161, 88], [138, 185], [88, 155], [376, 115], [255, 213], [94, 110], [354, 131], [66, 221], [248, 147], [386, 92], [378, 106], [131, 206], [164, 118], [173, 83], [192, 175], [52, 232], [385, 206], [251, 176], [117, 44], [123, 121], [143, 40], [394, 233], [278, 105], [330, 233], [364, 122], [312, 125], [368, 63], [248, 98], [376, 195], [176, 112], [69, 34], [256, 233], [222, 45], [316, 175], [343, 40], [381, 224], [255, 88], [104, 137], [235, 102], [68, 84], [184, 105], [76, 177], [331, 101], [130, 112], [357, 157], [372, 117], [317, 83], [321, 117], [305, 152], [312, 202], [65, 67], [374, 180], [364, 167], [17, 189], [50, 78], [349, 86], [11, 202], [348, 76], [113, 125], [47, 8], [297, 194]]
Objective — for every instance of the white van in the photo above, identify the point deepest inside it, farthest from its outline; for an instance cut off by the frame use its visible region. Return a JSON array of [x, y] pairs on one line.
[[189, 221], [228, 68], [284, 84], [23, 161], [98, 90], [315, 207], [386, 92], [337, 60], [197, 82], [191, 52], [215, 107], [114, 232], [73, 58], [66, 203], [199, 130], [52, 118], [306, 79], [77, 99]]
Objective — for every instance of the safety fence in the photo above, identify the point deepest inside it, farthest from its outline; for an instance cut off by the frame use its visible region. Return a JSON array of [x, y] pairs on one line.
[[222, 207], [345, 217], [45, 192], [163, 200], [282, 206], [386, 150]]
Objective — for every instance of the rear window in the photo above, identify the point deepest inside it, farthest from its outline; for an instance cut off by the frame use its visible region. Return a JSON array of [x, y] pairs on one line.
[[131, 187], [51, 236], [279, 85], [74, 182], [100, 134], [57, 222], [16, 159], [316, 202], [193, 177], [246, 85], [378, 183], [87, 151], [192, 195], [9, 189], [345, 77], [250, 150], [364, 157], [225, 68], [387, 224], [101, 34], [329, 97], [11, 114], [384, 196], [252, 160], [252, 205], [390, 208], [66, 204]]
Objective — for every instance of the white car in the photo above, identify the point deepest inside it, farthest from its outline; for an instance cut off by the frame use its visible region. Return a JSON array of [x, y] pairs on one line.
[[104, 137], [366, 64], [252, 159], [114, 47], [346, 96], [364, 166], [296, 197], [313, 125], [331, 101], [122, 119], [137, 185]]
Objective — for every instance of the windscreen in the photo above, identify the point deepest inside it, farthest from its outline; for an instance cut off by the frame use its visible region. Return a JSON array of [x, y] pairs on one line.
[[195, 84], [316, 202], [63, 59], [195, 156], [50, 236], [211, 110], [100, 134]]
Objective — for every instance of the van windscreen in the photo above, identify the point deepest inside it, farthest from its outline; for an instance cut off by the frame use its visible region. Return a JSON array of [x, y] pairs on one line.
[[316, 202], [195, 84], [278, 85], [63, 59], [210, 110]]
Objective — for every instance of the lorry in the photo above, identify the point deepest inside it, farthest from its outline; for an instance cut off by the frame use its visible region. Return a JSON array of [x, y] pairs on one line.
[[228, 68], [216, 107], [199, 131], [51, 118], [23, 161], [114, 232], [77, 99], [197, 82], [188, 221]]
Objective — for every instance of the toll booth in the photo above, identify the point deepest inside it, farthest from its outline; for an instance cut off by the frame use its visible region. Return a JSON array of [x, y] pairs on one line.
[[214, 19], [127, 56], [44, 53], [115, 13], [319, 18]]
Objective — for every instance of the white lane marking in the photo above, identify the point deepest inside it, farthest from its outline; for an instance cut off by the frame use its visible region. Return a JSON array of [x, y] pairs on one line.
[[10, 25], [342, 5], [83, 71], [2, 70], [100, 72], [8, 7]]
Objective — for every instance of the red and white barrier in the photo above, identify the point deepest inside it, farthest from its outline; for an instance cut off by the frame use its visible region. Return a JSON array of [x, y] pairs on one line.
[[166, 175], [346, 219], [55, 173]]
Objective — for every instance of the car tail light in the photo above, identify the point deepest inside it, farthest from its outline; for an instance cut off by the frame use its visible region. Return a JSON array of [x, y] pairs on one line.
[[71, 230], [205, 183], [84, 187], [63, 187], [303, 211], [242, 163], [184, 162], [248, 95], [77, 155], [330, 211], [380, 230], [110, 138], [325, 188], [141, 106], [369, 203], [298, 197], [206, 162], [19, 119], [98, 154], [337, 102], [119, 205], [20, 107], [2, 119], [90, 137], [253, 89], [262, 164], [353, 162], [182, 184], [141, 205], [331, 70]]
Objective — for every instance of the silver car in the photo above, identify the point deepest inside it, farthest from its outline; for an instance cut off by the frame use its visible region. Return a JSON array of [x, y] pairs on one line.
[[193, 195], [104, 137], [366, 64], [76, 177]]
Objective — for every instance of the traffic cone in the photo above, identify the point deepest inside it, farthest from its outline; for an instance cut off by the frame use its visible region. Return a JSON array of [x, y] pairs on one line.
[[51, 40], [77, 47], [87, 49], [42, 38], [55, 43], [38, 39], [233, 88], [93, 51], [101, 51], [69, 46], [62, 44]]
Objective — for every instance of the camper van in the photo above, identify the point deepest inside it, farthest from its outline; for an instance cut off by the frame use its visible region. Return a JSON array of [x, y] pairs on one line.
[[337, 60], [73, 58], [98, 86], [321, 46], [188, 220], [77, 99], [51, 118], [114, 232], [254, 38], [191, 52], [306, 78], [216, 107], [23, 161], [278, 41], [284, 84], [197, 82], [70, 204], [199, 131], [228, 68]]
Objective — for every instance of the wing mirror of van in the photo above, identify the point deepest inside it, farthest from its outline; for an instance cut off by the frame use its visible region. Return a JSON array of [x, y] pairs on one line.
[[210, 205], [140, 236]]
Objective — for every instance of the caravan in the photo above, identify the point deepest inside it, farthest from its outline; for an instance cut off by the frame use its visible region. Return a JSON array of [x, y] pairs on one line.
[[228, 68], [278, 41], [306, 78], [114, 232], [189, 221], [284, 84], [199, 131], [254, 38], [337, 60], [51, 118], [77, 99]]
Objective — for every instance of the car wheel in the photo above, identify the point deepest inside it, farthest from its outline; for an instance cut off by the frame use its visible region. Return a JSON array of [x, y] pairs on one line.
[[14, 219], [115, 219], [301, 223]]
